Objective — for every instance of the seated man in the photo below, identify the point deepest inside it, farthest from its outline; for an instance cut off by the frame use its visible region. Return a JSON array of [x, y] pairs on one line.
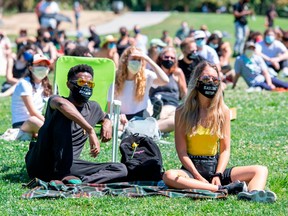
[[274, 53], [254, 70], [68, 124], [190, 58]]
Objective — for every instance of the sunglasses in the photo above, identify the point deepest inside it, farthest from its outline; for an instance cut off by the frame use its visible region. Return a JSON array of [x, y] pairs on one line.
[[207, 79], [81, 82]]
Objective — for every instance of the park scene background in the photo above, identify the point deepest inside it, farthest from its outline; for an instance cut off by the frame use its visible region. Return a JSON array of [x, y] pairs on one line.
[[258, 135]]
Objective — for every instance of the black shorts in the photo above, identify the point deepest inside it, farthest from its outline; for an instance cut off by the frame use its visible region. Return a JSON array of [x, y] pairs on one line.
[[206, 166], [17, 124]]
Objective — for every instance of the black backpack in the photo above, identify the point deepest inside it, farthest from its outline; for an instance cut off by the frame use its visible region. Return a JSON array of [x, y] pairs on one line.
[[142, 157]]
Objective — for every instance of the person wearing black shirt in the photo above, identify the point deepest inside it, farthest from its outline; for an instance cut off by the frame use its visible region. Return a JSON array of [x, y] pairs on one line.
[[190, 58], [69, 122], [94, 39], [240, 12]]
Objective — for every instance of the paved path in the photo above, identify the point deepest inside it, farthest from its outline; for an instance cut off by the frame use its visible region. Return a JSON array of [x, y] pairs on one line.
[[128, 20]]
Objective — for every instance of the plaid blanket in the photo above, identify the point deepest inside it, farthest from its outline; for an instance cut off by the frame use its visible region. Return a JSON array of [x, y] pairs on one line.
[[41, 189]]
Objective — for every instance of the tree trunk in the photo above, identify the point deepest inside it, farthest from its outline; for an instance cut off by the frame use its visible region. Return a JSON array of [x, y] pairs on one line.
[[148, 5], [186, 8], [1, 11]]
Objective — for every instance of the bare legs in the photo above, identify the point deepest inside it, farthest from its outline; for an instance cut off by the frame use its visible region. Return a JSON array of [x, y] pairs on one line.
[[166, 122], [32, 125], [255, 176], [179, 179]]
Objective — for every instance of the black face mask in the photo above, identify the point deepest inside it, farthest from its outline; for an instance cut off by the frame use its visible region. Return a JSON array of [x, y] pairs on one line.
[[136, 31], [167, 64], [122, 34], [207, 89], [81, 94], [46, 40], [192, 56]]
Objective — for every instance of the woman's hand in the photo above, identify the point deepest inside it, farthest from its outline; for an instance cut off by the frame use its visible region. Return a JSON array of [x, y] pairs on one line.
[[123, 119], [216, 180], [200, 178], [139, 54]]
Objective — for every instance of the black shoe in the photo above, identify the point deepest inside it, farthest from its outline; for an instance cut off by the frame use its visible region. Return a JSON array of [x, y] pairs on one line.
[[235, 187], [157, 107]]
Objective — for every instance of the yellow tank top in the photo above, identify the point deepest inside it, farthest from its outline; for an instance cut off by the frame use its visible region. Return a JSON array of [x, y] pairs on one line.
[[202, 143]]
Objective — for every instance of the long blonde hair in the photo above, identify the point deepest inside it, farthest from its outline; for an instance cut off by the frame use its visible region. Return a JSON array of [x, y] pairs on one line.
[[122, 74], [190, 111]]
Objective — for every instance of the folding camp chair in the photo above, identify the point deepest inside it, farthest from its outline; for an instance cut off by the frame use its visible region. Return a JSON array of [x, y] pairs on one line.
[[104, 77]]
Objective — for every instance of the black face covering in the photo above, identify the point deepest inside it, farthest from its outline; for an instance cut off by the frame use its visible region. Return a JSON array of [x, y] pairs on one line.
[[167, 64], [207, 89], [81, 94], [123, 33], [46, 40]]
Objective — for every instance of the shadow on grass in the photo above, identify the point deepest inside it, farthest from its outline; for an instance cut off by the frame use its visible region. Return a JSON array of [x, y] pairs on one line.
[[19, 177]]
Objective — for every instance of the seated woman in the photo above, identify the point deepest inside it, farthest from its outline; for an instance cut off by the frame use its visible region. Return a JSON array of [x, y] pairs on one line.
[[133, 83], [165, 99], [17, 68], [224, 53], [202, 127], [45, 43], [28, 99], [254, 71]]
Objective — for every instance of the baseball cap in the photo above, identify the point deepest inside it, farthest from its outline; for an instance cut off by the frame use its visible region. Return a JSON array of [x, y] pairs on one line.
[[199, 34], [39, 58], [218, 33], [157, 42], [108, 39]]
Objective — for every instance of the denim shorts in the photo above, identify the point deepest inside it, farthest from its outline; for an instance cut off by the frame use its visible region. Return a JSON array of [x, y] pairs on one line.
[[206, 166]]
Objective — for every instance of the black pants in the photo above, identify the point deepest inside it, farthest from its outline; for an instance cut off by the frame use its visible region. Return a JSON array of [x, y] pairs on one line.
[[90, 172], [51, 156], [48, 165]]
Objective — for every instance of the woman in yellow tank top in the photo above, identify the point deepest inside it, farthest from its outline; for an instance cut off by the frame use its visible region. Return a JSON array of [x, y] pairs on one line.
[[202, 137]]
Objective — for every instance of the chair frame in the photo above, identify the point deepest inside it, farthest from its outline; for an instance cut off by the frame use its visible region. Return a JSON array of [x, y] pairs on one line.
[[64, 91]]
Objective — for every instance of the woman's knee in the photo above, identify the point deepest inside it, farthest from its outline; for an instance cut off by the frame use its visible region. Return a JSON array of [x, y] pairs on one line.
[[169, 175], [260, 169]]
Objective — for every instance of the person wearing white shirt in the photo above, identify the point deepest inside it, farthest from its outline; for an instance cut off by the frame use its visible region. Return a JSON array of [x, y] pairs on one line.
[[133, 83], [274, 52], [28, 99], [47, 9], [205, 51]]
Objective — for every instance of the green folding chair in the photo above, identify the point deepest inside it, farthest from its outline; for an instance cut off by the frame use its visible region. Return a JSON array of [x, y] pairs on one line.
[[104, 77]]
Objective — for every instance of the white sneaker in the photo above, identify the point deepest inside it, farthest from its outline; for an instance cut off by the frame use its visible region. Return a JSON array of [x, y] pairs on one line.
[[257, 89], [258, 196], [250, 89], [10, 134]]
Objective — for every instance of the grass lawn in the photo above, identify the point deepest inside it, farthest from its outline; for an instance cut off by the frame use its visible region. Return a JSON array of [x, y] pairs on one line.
[[259, 136]]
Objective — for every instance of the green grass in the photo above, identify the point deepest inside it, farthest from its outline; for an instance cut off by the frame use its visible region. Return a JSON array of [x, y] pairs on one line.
[[259, 136]]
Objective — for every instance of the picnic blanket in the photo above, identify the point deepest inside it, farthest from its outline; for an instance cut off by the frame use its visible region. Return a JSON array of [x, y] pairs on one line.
[[42, 189]]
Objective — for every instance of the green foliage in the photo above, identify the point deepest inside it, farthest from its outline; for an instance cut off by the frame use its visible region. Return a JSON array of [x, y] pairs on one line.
[[259, 136]]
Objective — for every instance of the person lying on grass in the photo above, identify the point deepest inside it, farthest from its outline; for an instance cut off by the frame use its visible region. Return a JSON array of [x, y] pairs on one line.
[[202, 126], [69, 122]]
